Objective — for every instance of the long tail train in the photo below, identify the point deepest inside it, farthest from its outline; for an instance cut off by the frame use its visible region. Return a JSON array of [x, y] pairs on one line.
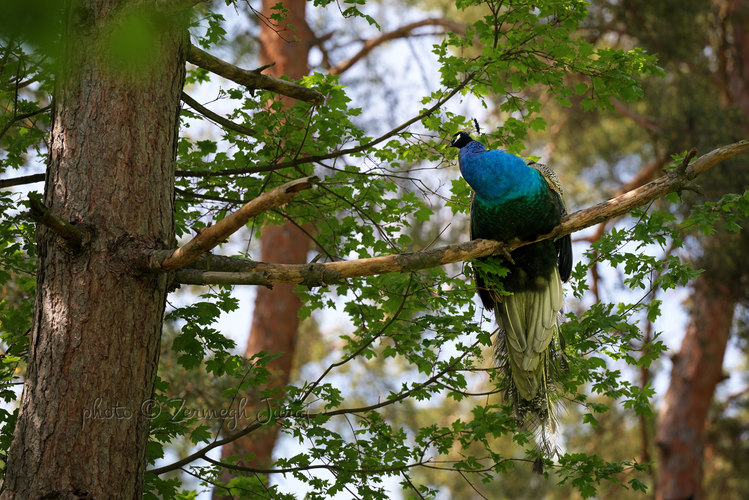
[[529, 349]]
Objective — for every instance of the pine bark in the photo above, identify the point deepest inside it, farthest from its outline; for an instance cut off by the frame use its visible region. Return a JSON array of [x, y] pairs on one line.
[[95, 336], [697, 369]]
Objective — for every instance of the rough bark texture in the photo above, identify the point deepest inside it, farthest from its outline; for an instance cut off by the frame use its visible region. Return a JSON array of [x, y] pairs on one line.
[[275, 321], [95, 337], [696, 371]]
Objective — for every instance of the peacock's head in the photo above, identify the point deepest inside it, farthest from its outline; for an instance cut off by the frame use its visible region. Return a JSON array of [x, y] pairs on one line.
[[460, 139]]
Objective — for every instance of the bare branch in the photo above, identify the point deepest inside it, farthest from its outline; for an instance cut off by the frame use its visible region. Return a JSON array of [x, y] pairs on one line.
[[643, 121], [251, 79], [402, 32], [259, 273], [18, 181], [216, 117], [213, 235]]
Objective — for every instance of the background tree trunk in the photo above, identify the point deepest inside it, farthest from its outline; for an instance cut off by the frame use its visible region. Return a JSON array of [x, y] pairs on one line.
[[95, 337], [698, 367], [696, 371], [275, 320]]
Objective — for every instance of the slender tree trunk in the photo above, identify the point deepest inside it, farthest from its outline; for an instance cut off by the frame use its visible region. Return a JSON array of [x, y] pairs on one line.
[[736, 15], [275, 325], [696, 371], [275, 321], [95, 336]]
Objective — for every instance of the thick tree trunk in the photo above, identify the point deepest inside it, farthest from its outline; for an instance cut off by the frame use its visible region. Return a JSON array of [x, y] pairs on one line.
[[698, 367], [95, 337], [275, 320], [696, 371]]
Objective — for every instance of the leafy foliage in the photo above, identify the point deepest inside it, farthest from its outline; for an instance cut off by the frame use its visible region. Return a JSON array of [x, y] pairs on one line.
[[422, 329]]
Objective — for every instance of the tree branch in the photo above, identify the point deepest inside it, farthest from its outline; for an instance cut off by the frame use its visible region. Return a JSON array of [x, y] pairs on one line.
[[226, 270], [643, 121], [209, 237], [16, 118], [18, 181], [251, 79], [71, 237], [402, 32], [225, 122]]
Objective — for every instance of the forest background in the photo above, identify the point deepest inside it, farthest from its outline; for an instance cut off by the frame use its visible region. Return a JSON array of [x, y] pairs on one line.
[[602, 141]]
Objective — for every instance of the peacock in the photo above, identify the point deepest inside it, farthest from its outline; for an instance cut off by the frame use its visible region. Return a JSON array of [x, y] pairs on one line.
[[518, 199]]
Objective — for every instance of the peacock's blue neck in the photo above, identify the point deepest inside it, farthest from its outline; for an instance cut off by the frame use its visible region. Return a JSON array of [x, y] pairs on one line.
[[496, 176]]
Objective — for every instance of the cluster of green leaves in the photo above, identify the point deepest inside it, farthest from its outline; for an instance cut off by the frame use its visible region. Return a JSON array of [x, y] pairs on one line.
[[425, 320], [585, 472], [173, 419], [197, 339], [732, 208], [353, 212], [24, 85], [608, 332], [17, 256], [532, 45]]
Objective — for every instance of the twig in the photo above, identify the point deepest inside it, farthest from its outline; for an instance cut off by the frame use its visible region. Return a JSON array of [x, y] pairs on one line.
[[23, 116], [216, 117]]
